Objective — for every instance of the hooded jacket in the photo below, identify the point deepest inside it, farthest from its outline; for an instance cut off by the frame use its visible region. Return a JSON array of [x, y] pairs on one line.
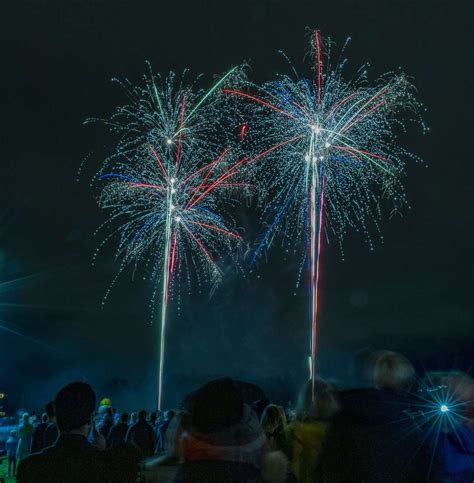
[[232, 454], [373, 440], [304, 440], [454, 455]]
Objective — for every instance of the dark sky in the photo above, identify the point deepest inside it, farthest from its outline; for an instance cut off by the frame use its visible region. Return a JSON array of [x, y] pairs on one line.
[[414, 293]]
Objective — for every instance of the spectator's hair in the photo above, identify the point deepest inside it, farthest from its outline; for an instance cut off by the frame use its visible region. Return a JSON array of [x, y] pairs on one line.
[[50, 411], [44, 417], [393, 371], [364, 362], [170, 414], [216, 406], [13, 433], [25, 416], [153, 416], [273, 417], [142, 415], [124, 417], [323, 406], [74, 405]]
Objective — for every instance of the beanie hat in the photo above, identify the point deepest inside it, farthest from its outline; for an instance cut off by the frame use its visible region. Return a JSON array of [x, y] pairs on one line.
[[216, 406], [74, 404]]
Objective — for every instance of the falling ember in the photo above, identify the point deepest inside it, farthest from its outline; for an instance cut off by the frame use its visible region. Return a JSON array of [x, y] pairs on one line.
[[243, 130]]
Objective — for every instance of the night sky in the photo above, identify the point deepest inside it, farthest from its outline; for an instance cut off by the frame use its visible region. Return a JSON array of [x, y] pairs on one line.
[[414, 293]]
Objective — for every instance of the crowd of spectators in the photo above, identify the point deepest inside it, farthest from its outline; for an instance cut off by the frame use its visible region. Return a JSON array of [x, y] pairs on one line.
[[395, 427]]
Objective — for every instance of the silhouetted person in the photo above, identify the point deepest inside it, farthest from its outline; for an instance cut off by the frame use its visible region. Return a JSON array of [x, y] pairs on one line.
[[363, 367], [33, 419], [162, 428], [118, 432], [153, 418], [51, 433], [25, 435], [225, 442], [373, 439], [142, 435], [11, 446], [305, 435], [72, 458], [274, 425], [37, 443], [105, 423]]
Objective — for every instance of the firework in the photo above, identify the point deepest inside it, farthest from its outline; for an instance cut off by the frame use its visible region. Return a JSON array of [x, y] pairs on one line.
[[165, 194], [332, 154]]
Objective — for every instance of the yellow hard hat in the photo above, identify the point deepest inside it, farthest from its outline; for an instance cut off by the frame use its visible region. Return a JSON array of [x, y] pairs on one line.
[[105, 402]]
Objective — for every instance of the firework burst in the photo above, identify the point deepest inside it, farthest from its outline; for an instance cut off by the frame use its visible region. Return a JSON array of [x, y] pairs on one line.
[[333, 154], [170, 110], [166, 196]]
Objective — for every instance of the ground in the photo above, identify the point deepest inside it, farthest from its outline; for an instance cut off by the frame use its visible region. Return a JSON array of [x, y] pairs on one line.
[[4, 471]]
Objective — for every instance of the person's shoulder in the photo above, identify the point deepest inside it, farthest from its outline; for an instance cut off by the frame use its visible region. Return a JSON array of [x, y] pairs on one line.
[[45, 453], [28, 466], [29, 460], [307, 431], [121, 463], [51, 428], [144, 424]]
